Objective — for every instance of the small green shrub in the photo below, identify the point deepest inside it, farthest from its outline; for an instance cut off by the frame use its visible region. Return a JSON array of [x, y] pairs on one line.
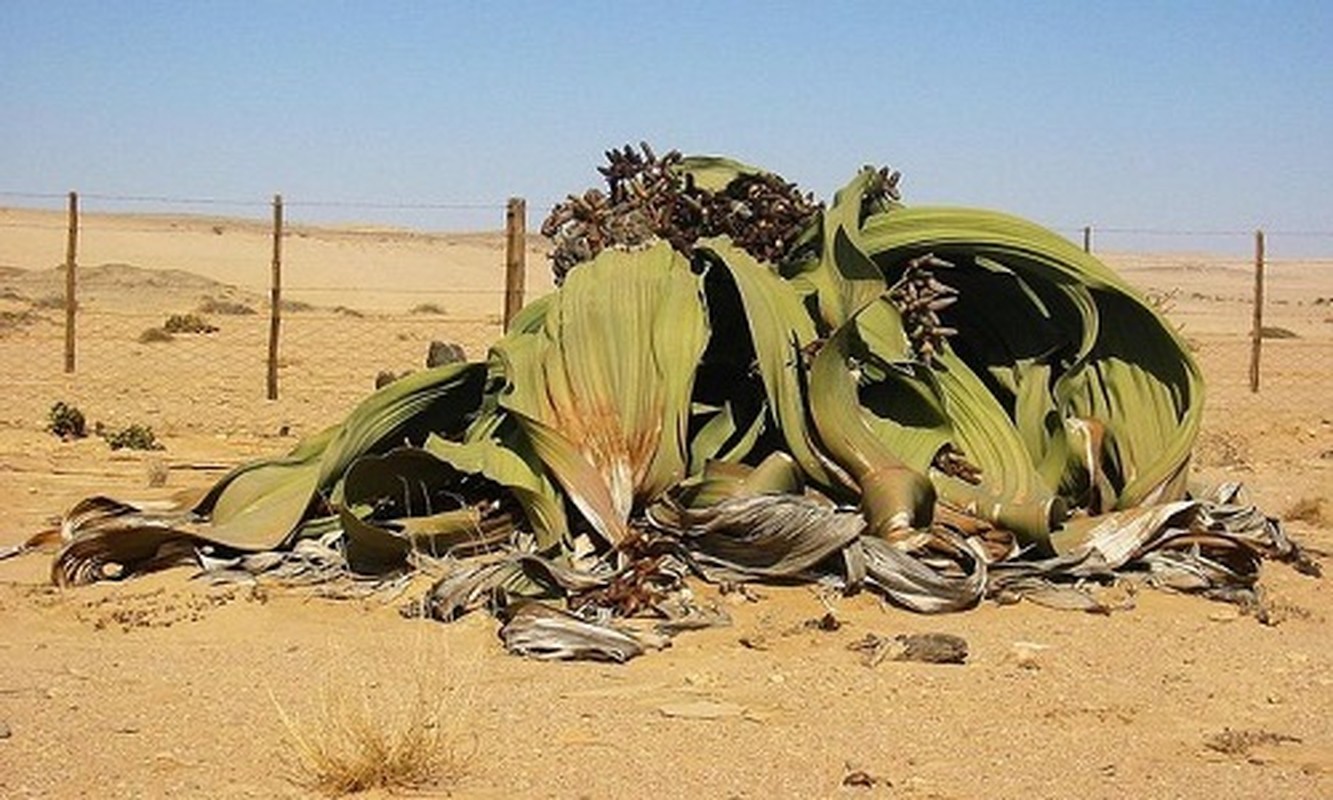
[[188, 323], [131, 437], [66, 421]]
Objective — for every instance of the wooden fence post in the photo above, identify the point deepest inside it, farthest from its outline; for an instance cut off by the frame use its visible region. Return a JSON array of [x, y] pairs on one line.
[[71, 295], [1087, 238], [1257, 326], [516, 222], [275, 300]]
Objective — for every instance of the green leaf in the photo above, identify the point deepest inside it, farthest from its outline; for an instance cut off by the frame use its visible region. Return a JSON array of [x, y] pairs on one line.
[[714, 173], [603, 389], [1127, 371], [398, 502], [894, 496], [844, 278], [781, 331], [260, 505], [541, 503]]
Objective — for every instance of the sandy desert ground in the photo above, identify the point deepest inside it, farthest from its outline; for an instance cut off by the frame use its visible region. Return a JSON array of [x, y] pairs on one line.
[[166, 687]]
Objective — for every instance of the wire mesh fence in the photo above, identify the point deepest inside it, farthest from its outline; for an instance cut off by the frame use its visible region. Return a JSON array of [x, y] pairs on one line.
[[173, 314], [172, 321], [1267, 396]]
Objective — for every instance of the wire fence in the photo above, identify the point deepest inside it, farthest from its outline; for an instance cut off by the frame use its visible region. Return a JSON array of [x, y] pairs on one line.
[[172, 319], [363, 297]]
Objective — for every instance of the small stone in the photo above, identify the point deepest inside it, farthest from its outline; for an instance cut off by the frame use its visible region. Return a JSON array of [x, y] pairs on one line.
[[932, 648], [827, 623], [860, 779], [442, 353], [5, 730], [1027, 655], [1227, 614]]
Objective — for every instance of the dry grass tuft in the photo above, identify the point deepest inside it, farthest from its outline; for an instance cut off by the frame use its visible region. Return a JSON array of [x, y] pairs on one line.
[[1240, 742], [367, 735]]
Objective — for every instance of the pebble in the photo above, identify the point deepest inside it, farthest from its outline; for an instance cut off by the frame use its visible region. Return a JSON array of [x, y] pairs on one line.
[[5, 730], [1027, 655], [1228, 614]]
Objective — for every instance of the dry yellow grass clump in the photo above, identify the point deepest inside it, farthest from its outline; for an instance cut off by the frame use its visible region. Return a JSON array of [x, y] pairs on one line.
[[366, 734]]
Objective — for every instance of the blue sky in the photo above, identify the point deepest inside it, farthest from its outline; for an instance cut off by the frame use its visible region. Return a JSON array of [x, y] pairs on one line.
[[1184, 115]]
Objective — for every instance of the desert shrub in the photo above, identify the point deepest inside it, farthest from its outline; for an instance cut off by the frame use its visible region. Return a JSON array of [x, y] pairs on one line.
[[49, 301], [12, 320], [1274, 332], [295, 306], [428, 308], [66, 421], [212, 305], [131, 437], [152, 335], [188, 323], [347, 312]]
